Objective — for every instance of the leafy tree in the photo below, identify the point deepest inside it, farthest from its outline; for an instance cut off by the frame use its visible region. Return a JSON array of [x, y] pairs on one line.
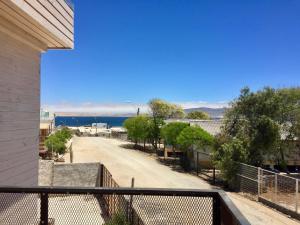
[[171, 131], [193, 135], [57, 141], [198, 115], [64, 134], [138, 128], [266, 121], [161, 110], [176, 112], [228, 154]]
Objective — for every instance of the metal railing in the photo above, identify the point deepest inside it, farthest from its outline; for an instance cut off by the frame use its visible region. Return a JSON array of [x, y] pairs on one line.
[[111, 205], [57, 205]]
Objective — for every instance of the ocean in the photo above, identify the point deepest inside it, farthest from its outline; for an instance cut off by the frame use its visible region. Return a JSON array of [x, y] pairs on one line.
[[76, 121]]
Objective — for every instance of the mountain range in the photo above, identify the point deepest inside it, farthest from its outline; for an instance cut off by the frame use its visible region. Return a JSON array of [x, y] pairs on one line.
[[212, 112]]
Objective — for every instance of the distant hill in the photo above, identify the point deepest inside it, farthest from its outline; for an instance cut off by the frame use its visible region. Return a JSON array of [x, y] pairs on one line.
[[212, 112]]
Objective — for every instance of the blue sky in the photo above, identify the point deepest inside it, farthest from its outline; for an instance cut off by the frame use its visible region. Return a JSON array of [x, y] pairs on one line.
[[179, 50]]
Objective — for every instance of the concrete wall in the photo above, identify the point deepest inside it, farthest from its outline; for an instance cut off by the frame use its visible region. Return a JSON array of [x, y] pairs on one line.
[[46, 172], [69, 174], [19, 112]]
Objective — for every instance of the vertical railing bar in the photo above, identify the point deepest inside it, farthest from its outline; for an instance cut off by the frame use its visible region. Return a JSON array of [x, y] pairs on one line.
[[197, 164], [258, 182], [276, 187], [297, 195], [101, 175], [44, 209], [216, 210]]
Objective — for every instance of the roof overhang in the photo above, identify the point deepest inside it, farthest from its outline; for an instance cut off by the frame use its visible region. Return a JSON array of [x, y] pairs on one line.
[[49, 24]]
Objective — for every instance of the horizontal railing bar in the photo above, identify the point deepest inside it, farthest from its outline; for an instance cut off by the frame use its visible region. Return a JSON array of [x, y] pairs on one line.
[[115, 191]]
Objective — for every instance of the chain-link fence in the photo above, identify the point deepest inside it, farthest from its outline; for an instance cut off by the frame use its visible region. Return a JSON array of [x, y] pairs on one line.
[[277, 190], [246, 183]]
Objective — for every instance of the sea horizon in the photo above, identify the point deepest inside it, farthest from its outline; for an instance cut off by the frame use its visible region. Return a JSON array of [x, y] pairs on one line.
[[81, 120]]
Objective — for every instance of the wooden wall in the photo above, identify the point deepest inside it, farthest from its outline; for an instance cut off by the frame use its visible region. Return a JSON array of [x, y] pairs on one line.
[[19, 112]]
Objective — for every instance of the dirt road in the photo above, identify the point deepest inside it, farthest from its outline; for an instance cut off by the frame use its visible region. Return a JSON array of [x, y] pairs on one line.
[[148, 172]]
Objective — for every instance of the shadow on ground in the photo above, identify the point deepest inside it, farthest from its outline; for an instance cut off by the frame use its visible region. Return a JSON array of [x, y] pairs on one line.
[[173, 163], [147, 149]]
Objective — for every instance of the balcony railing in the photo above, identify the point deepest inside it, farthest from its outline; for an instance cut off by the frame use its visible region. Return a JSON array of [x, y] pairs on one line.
[[115, 206]]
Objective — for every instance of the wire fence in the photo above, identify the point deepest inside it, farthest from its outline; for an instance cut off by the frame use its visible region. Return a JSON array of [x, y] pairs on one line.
[[277, 190]]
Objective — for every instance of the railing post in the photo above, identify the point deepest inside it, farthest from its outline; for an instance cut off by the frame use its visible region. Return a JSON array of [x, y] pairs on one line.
[[297, 195], [276, 186], [71, 153], [258, 181], [214, 175], [197, 163], [216, 210], [101, 175], [44, 209]]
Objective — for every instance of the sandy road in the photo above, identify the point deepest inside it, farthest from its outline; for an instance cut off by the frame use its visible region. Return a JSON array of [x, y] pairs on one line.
[[148, 172]]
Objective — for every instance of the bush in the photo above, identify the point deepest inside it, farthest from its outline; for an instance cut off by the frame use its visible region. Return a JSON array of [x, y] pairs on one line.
[[118, 219]]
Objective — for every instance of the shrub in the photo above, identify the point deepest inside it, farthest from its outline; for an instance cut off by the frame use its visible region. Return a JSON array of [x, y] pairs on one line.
[[118, 219]]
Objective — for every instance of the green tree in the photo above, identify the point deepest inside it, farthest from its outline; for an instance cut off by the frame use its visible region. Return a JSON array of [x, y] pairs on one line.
[[226, 159], [64, 134], [138, 128], [55, 144], [193, 135], [161, 110], [171, 131], [198, 115], [265, 121]]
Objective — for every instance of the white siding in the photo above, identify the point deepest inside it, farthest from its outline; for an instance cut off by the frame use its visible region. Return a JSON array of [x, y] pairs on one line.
[[19, 112], [51, 22]]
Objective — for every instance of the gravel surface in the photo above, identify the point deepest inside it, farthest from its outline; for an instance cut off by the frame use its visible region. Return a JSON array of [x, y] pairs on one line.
[[125, 163]]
